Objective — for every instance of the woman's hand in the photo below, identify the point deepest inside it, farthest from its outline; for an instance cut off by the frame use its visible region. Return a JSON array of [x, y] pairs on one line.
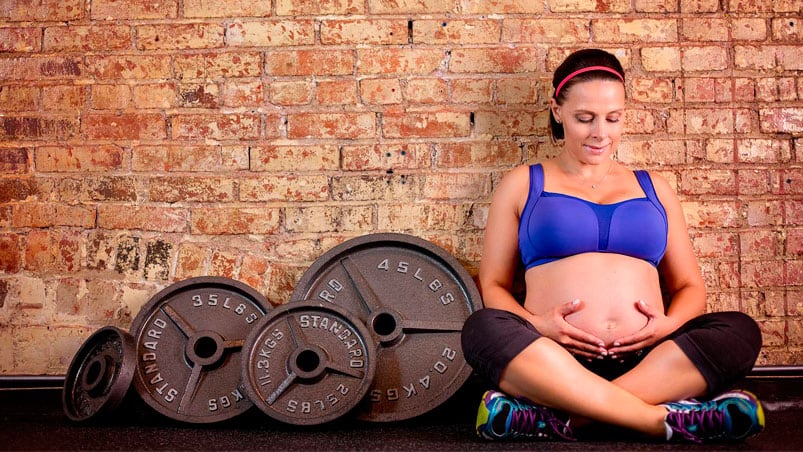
[[553, 325], [657, 326]]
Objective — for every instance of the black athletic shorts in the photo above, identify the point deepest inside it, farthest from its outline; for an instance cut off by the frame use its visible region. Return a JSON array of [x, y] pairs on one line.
[[722, 345]]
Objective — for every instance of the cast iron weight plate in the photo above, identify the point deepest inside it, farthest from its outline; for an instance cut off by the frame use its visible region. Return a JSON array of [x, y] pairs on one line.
[[189, 339], [99, 375], [414, 298], [308, 363]]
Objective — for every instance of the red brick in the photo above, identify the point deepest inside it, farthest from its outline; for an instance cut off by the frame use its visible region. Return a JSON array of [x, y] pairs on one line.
[[148, 218], [754, 57], [470, 31], [754, 182], [78, 158], [769, 273], [180, 36], [503, 7], [369, 188], [794, 242], [399, 61], [331, 125], [704, 29], [712, 214], [563, 31], [699, 6], [411, 6], [64, 98], [247, 93], [705, 58], [759, 243], [517, 91], [294, 158], [43, 10], [223, 264], [478, 154], [426, 91], [128, 66], [661, 59], [336, 92], [230, 8], [708, 181], [111, 97], [426, 124], [234, 220], [191, 189], [781, 120], [133, 9], [125, 126], [17, 189], [450, 186], [319, 7], [381, 91], [97, 188], [13, 161], [309, 62], [210, 66], [270, 33], [254, 270], [388, 157], [179, 158], [656, 6], [49, 251], [154, 95], [764, 213], [792, 179], [472, 91], [510, 123], [364, 32], [715, 244], [320, 218], [38, 128], [199, 95], [40, 68], [10, 256], [218, 126], [293, 92], [652, 90], [82, 38], [20, 39], [499, 59], [295, 188], [606, 6], [639, 30], [763, 150], [793, 212], [192, 260], [20, 98], [748, 29]]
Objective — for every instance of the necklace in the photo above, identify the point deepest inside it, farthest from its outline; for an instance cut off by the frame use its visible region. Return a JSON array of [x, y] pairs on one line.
[[594, 185]]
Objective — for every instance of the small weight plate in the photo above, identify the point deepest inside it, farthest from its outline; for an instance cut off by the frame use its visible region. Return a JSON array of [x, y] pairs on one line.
[[308, 363], [99, 375], [189, 339], [414, 298]]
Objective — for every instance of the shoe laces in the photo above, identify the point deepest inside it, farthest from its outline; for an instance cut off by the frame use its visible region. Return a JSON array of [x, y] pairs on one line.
[[694, 425], [539, 421]]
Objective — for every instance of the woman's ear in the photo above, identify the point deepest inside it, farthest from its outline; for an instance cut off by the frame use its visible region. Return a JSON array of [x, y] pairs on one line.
[[553, 105]]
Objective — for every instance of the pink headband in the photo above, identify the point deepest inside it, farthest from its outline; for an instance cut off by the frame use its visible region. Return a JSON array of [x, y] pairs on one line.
[[584, 70]]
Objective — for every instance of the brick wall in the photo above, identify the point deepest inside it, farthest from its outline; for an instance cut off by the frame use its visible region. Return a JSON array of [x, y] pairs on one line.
[[145, 142]]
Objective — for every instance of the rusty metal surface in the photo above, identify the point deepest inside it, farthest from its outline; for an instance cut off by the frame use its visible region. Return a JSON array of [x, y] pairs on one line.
[[99, 375], [189, 339], [414, 298], [308, 363]]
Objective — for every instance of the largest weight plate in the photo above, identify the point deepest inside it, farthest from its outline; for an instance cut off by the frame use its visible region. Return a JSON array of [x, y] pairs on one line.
[[414, 298]]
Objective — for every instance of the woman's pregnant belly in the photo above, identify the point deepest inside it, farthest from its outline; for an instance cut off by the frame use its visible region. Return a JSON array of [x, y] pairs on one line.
[[609, 285]]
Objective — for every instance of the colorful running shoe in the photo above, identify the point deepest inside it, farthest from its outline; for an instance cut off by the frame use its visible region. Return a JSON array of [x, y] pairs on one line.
[[732, 416], [502, 417]]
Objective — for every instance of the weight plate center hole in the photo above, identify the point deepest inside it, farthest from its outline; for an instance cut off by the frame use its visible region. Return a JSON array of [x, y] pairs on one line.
[[309, 362], [205, 348], [387, 326], [96, 373]]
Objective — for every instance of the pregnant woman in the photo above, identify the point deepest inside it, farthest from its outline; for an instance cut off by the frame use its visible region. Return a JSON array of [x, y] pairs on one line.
[[596, 339]]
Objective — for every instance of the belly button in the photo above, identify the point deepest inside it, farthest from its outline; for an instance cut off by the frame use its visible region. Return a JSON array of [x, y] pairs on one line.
[[610, 325]]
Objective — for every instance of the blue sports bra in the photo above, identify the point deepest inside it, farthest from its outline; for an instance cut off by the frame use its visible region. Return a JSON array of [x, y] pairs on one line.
[[555, 225]]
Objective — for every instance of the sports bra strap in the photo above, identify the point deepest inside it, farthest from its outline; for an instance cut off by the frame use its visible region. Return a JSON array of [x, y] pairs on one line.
[[536, 180], [646, 184]]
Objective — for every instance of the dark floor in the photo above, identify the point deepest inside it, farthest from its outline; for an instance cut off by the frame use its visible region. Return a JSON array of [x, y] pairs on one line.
[[31, 418]]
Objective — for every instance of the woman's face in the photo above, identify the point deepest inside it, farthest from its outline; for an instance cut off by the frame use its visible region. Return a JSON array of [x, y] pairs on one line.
[[592, 115]]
